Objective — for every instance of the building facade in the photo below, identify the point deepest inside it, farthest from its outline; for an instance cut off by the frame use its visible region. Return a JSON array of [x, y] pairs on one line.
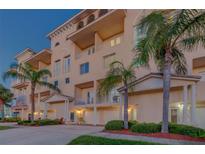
[[79, 56]]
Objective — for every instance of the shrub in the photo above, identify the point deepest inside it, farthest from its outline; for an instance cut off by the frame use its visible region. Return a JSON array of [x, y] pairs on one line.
[[186, 130], [40, 122], [131, 123], [114, 125], [11, 119], [118, 124], [146, 128]]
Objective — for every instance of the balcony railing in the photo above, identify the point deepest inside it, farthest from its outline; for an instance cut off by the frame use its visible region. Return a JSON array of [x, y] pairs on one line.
[[82, 102]]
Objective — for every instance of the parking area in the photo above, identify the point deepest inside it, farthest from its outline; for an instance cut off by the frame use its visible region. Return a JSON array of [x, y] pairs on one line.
[[44, 135]]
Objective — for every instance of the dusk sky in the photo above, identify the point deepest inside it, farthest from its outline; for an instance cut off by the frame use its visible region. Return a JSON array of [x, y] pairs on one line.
[[20, 29]]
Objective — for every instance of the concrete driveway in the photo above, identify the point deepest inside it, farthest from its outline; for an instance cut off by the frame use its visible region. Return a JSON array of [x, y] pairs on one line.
[[45, 135]]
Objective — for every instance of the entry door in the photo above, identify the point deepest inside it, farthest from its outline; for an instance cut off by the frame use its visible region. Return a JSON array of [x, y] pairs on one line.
[[174, 115], [72, 116]]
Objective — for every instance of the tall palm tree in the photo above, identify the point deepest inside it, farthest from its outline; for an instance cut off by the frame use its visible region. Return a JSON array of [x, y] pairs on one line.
[[26, 72], [5, 96], [118, 74], [166, 36]]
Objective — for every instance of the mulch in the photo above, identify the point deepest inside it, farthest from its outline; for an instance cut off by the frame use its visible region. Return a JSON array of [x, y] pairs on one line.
[[158, 135]]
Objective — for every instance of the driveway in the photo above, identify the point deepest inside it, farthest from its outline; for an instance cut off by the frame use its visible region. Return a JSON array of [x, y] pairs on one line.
[[45, 135]]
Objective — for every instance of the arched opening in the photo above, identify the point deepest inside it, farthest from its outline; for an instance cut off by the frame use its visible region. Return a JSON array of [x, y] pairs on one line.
[[80, 25], [91, 18], [102, 12]]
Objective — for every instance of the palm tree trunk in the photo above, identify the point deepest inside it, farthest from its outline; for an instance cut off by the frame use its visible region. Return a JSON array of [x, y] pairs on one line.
[[126, 108], [166, 91], [32, 102]]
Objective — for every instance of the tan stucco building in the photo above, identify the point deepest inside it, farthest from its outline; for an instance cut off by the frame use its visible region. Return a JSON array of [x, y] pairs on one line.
[[82, 49]]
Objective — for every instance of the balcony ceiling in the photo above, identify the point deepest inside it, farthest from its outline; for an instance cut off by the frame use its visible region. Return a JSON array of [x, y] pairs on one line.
[[198, 62], [43, 56], [85, 85], [106, 26]]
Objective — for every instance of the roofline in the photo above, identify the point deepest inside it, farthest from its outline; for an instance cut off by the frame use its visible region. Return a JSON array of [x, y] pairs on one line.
[[159, 75], [25, 50], [66, 22]]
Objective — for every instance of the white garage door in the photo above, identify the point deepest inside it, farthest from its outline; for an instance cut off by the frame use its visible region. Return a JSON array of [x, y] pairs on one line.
[[200, 116]]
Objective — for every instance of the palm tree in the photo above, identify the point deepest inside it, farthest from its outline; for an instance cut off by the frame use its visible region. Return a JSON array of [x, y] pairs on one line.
[[26, 72], [5, 96], [166, 36], [118, 74]]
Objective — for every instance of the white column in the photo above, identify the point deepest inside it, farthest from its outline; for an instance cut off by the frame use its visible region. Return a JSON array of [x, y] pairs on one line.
[[39, 100], [65, 110], [185, 104], [45, 110], [193, 105], [121, 104], [95, 112], [94, 104], [22, 113]]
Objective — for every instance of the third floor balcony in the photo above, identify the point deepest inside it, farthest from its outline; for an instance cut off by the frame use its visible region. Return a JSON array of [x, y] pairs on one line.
[[106, 26]]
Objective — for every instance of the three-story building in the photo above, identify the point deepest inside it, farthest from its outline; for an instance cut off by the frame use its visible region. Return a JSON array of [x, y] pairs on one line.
[[82, 49]]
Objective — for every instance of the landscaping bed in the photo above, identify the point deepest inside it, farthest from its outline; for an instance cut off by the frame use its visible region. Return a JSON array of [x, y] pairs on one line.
[[176, 131], [94, 140], [158, 135], [43, 122], [10, 119]]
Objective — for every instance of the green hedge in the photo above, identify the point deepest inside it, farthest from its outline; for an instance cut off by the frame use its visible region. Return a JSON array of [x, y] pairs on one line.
[[186, 130], [173, 128], [10, 119], [118, 124], [40, 122], [146, 128]]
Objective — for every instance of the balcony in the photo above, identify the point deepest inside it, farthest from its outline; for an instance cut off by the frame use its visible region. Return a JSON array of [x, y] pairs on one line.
[[107, 25], [82, 102], [21, 103], [20, 84], [43, 56]]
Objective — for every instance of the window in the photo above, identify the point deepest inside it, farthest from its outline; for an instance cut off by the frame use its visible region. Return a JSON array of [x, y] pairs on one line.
[[57, 68], [90, 97], [91, 51], [56, 83], [67, 64], [45, 78], [115, 96], [80, 25], [115, 42], [84, 68], [72, 116], [109, 59], [91, 18], [138, 35], [102, 12], [67, 80], [57, 43]]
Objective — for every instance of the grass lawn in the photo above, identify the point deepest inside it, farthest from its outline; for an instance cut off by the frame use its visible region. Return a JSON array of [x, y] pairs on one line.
[[5, 127], [93, 140]]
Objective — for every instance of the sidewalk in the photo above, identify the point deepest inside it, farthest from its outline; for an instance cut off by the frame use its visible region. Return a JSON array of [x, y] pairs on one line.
[[147, 139]]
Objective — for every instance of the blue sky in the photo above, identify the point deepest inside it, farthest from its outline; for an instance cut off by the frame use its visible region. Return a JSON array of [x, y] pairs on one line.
[[20, 29]]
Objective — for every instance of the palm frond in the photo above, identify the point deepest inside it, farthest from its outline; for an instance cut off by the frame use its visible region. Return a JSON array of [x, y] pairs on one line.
[[43, 72], [49, 85], [193, 42], [179, 62]]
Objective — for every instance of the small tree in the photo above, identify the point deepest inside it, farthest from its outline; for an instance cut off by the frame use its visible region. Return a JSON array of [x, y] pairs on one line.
[[5, 96], [118, 74], [26, 72], [166, 37]]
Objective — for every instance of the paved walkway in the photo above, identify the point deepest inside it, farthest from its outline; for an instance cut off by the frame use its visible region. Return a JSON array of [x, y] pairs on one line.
[[44, 135], [147, 139]]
